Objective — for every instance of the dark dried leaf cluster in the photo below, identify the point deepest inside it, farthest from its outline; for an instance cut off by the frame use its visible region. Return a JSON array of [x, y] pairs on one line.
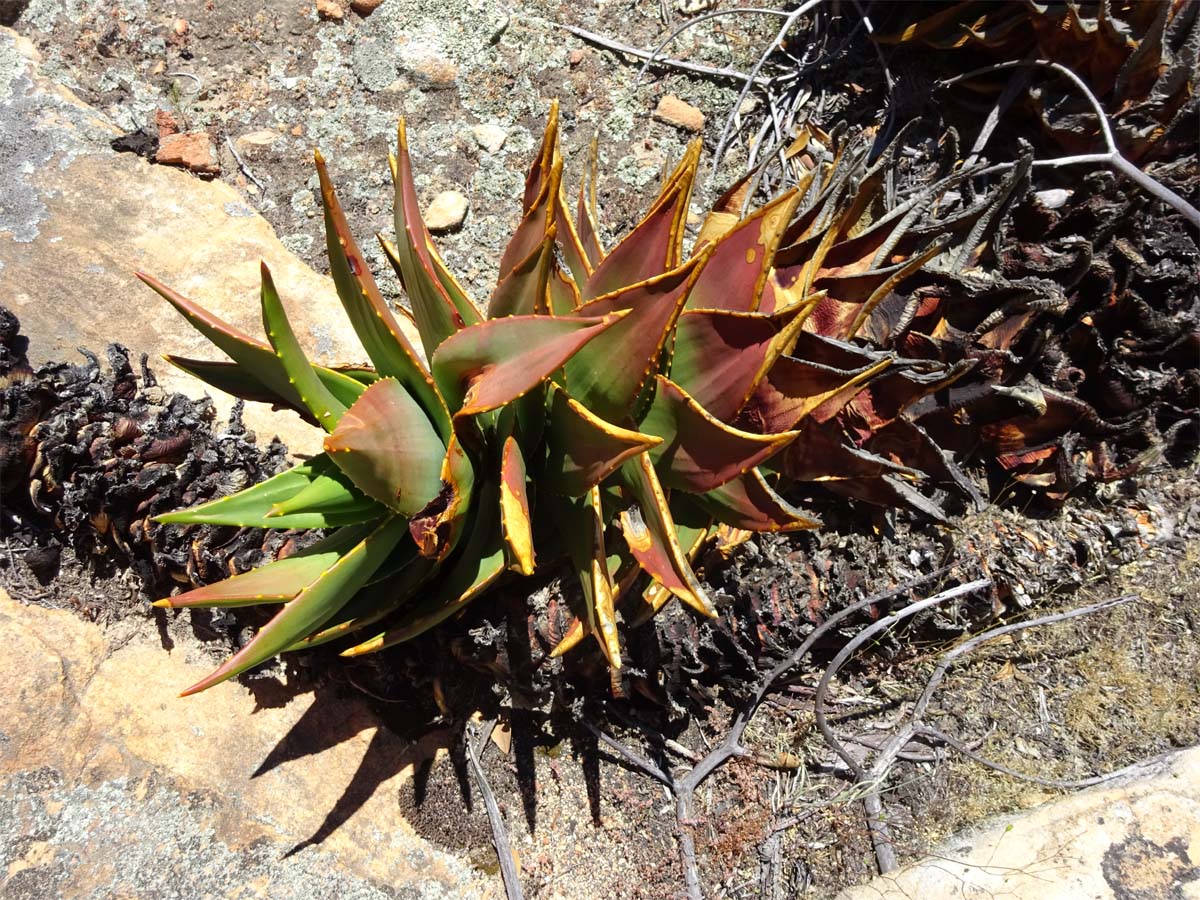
[[1141, 58], [90, 453]]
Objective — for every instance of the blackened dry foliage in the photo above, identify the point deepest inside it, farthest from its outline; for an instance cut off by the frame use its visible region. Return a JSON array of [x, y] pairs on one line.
[[90, 452], [1091, 318]]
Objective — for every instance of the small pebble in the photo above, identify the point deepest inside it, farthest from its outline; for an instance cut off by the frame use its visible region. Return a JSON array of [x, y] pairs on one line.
[[331, 10], [256, 140], [489, 137], [365, 7], [1054, 198], [674, 111], [447, 211], [193, 151]]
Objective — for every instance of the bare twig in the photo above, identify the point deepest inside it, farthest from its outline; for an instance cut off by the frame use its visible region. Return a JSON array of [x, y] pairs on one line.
[[684, 789], [887, 73], [885, 853], [696, 21], [508, 868], [609, 44], [863, 637], [242, 165], [1112, 155], [752, 79], [915, 728], [196, 79], [631, 756]]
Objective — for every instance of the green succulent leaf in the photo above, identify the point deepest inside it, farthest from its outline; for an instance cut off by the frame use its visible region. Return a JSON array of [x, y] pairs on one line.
[[478, 563], [586, 218], [436, 528], [314, 605], [379, 599], [387, 446], [381, 336], [330, 494], [524, 291], [318, 399], [435, 311], [583, 449], [563, 293], [491, 364], [234, 379], [583, 529], [252, 508], [538, 223], [255, 358], [276, 582]]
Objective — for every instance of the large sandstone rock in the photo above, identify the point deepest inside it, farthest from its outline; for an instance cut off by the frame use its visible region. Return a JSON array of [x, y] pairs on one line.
[[111, 786], [1137, 838], [77, 220]]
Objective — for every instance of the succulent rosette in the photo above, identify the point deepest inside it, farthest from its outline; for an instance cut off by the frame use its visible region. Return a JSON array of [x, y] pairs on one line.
[[615, 409]]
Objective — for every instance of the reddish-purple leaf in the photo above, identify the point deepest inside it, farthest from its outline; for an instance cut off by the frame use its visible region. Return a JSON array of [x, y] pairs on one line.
[[650, 533], [608, 375], [655, 246], [721, 356], [493, 363], [583, 449], [741, 259], [699, 453], [388, 447], [795, 388], [434, 309], [748, 502]]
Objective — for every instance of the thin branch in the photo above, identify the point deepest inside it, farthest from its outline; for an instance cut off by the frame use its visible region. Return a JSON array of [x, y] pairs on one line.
[[863, 637], [508, 868], [881, 839], [684, 790], [751, 79], [696, 21], [245, 168], [609, 44], [893, 749], [631, 756], [887, 73], [1113, 156], [967, 646]]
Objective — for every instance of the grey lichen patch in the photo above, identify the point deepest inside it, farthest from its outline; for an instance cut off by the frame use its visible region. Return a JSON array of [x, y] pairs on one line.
[[142, 838], [36, 125], [238, 210]]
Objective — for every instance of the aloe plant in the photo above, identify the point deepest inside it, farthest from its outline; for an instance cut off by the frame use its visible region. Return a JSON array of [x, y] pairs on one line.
[[614, 408]]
